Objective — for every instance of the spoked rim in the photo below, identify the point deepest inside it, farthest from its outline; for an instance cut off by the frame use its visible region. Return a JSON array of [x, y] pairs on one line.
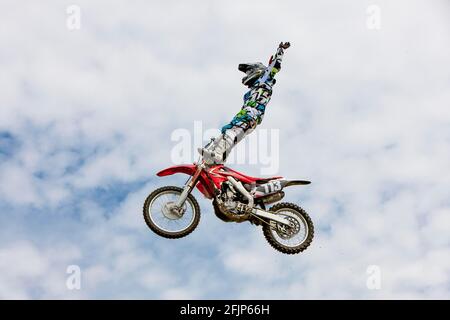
[[300, 229], [161, 216]]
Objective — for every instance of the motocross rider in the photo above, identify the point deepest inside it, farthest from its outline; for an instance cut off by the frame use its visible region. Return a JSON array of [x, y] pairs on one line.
[[260, 80]]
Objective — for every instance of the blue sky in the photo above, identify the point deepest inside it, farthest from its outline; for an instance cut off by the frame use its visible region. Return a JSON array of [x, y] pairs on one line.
[[86, 118]]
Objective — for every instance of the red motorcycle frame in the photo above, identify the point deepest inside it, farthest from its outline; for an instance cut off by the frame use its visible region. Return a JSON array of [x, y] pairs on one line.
[[211, 178]]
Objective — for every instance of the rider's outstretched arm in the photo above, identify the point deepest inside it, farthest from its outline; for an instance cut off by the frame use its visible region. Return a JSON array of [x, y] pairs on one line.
[[275, 61]]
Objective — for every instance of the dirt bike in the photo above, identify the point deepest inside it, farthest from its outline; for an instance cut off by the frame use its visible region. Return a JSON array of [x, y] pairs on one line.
[[173, 212]]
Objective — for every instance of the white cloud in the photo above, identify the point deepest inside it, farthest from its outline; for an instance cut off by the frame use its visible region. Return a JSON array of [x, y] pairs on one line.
[[26, 270], [363, 114]]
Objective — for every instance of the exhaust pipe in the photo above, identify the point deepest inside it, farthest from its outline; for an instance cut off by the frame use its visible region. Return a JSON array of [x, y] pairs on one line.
[[240, 187]]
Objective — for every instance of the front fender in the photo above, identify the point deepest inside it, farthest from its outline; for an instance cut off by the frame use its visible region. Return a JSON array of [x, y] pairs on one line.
[[203, 185], [188, 169]]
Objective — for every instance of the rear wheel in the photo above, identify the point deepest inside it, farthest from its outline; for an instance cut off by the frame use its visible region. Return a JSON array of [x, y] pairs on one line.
[[165, 219], [293, 239]]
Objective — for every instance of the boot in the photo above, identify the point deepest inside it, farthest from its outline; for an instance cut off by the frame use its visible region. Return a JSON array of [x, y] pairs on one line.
[[217, 151]]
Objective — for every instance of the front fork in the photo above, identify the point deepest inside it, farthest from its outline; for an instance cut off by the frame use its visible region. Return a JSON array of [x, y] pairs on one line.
[[190, 184]]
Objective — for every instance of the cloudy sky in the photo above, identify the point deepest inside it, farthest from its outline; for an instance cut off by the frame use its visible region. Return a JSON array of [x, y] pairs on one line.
[[86, 118]]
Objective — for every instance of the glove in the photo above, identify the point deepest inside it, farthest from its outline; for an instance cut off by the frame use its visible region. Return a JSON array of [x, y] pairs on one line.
[[284, 45]]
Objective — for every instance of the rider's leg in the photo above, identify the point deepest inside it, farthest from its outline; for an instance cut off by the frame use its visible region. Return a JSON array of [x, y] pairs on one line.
[[220, 148]]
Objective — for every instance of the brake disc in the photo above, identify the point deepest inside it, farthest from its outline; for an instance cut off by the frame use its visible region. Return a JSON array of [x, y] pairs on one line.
[[286, 232]]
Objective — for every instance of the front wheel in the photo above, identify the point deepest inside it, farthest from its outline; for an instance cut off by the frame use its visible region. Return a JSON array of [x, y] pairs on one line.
[[293, 239], [165, 219]]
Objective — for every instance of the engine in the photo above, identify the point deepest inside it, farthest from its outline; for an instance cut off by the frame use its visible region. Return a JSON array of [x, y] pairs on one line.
[[231, 197], [231, 204]]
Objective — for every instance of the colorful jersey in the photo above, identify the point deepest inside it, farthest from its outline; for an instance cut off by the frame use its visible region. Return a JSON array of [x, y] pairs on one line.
[[257, 98]]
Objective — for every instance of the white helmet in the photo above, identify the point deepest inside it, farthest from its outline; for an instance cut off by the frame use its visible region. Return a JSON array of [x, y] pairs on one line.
[[253, 72]]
